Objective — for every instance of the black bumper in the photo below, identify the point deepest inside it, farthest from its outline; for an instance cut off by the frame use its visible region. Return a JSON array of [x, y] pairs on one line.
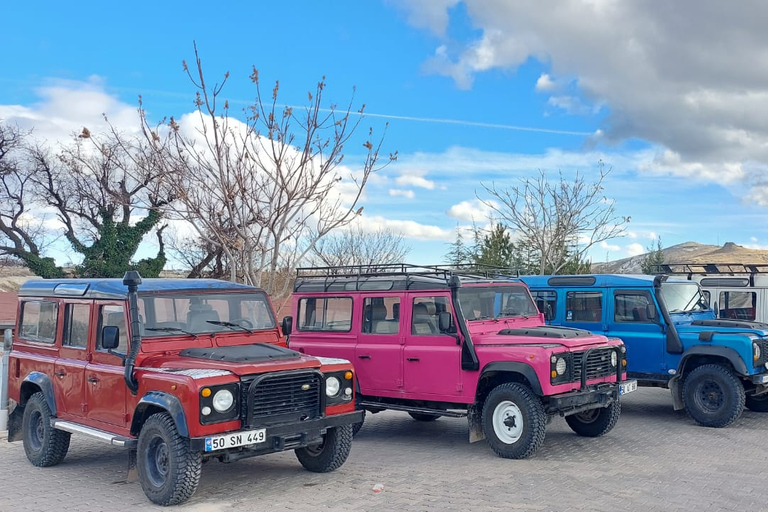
[[283, 437], [599, 395]]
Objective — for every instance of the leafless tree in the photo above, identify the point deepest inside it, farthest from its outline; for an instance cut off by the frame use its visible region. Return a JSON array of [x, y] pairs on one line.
[[561, 220], [262, 191], [355, 246]]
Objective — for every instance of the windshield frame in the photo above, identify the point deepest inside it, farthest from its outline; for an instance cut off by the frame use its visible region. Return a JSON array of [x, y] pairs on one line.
[[494, 302], [683, 303]]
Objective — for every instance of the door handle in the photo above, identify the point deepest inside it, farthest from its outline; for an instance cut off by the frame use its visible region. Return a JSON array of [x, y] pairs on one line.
[[411, 358], [364, 357], [60, 373], [92, 380]]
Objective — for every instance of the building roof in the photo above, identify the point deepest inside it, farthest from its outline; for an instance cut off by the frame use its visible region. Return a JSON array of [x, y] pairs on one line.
[[115, 289]]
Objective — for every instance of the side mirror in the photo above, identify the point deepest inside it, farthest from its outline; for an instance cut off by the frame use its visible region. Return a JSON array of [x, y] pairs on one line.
[[716, 310], [650, 312], [444, 320], [287, 325], [110, 337]]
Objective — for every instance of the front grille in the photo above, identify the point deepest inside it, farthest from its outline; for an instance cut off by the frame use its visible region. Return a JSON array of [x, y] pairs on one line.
[[598, 364], [285, 397]]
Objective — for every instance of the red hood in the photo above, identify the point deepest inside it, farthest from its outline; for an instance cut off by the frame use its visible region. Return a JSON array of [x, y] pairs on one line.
[[487, 332], [175, 361]]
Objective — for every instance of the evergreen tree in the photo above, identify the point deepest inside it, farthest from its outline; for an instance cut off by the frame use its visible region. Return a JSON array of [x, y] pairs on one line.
[[653, 258], [458, 254]]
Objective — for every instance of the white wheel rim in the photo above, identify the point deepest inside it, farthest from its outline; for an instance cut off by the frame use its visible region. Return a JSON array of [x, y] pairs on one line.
[[508, 422]]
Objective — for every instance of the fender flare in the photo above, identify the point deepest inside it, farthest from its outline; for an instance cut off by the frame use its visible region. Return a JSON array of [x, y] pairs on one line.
[[515, 367], [162, 400], [714, 350], [43, 382]]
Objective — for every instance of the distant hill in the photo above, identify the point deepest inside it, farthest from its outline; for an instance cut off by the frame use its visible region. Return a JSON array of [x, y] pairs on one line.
[[688, 252]]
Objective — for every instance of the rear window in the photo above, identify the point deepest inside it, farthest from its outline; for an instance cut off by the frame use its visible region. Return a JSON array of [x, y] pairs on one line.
[[38, 321], [583, 306], [325, 314]]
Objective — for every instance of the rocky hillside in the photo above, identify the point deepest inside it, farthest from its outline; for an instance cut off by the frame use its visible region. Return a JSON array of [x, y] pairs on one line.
[[688, 252]]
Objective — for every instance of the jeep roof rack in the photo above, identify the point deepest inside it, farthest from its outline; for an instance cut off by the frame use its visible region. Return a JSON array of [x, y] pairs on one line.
[[392, 276], [710, 268]]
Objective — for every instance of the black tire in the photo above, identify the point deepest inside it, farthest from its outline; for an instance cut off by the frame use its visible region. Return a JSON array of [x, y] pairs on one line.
[[757, 403], [330, 454], [595, 422], [423, 417], [505, 407], [713, 396], [168, 470], [357, 426], [44, 445]]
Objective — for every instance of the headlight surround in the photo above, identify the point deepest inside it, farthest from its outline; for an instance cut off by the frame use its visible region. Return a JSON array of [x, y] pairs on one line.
[[560, 370], [339, 387], [561, 366], [614, 359], [332, 387], [755, 352], [223, 400]]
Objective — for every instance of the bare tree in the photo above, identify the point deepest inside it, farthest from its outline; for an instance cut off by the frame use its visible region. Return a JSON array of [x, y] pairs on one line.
[[355, 246], [560, 220], [262, 191]]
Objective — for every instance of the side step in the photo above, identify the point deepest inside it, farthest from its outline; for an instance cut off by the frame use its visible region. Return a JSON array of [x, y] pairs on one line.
[[407, 408], [101, 435]]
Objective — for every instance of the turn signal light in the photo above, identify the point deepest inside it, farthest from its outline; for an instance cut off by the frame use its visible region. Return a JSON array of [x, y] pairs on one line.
[[348, 375], [554, 374], [205, 392]]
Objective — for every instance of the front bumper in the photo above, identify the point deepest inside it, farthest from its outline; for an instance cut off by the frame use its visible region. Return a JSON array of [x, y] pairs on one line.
[[283, 437], [591, 397]]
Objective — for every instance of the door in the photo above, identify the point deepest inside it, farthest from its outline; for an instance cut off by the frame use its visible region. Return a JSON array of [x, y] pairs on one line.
[[69, 369], [379, 350], [432, 360], [635, 319], [323, 327], [105, 388]]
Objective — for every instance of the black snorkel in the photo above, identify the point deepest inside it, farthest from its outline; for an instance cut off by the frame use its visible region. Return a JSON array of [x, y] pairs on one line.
[[132, 280]]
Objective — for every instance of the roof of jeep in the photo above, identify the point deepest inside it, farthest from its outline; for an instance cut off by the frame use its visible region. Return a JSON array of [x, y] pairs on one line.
[[594, 280], [115, 289]]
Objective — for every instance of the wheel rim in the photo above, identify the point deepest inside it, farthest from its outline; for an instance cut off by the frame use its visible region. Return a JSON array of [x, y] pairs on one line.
[[36, 431], [588, 416], [709, 396], [508, 422], [158, 461], [315, 449]]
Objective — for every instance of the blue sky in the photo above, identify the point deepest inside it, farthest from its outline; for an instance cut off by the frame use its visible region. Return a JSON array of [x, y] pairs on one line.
[[671, 97]]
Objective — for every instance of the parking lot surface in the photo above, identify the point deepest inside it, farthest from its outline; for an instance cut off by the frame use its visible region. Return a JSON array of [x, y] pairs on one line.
[[655, 459]]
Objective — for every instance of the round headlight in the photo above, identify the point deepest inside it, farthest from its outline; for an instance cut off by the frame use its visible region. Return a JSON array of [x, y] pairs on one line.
[[560, 367], [223, 400], [756, 349], [332, 386], [614, 359]]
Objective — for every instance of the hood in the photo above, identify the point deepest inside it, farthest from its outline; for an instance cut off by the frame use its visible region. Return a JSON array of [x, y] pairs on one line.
[[238, 359], [549, 335], [722, 325], [688, 318]]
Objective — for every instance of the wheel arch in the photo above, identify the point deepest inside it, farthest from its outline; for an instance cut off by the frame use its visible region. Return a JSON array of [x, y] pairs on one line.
[[500, 372], [34, 382], [711, 354], [158, 401]]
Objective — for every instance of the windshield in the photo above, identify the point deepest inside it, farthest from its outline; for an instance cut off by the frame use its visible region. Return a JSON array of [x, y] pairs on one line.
[[683, 297], [197, 313], [481, 302]]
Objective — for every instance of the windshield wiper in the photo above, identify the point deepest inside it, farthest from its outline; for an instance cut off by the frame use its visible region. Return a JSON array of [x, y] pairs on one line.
[[230, 325], [170, 329]]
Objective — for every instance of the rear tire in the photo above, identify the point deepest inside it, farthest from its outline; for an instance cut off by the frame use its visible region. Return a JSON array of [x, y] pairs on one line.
[[713, 396], [757, 403], [514, 421], [44, 445], [595, 422], [423, 417], [330, 454], [168, 470]]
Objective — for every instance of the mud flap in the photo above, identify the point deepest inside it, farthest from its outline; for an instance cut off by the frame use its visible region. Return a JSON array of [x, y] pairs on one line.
[[133, 474], [14, 425], [677, 394], [475, 424]]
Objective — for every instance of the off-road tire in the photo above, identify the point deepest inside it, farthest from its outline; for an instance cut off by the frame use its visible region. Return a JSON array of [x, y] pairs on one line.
[[44, 445], [168, 470], [595, 422], [418, 416], [357, 426], [512, 402], [757, 403], [713, 396], [330, 454]]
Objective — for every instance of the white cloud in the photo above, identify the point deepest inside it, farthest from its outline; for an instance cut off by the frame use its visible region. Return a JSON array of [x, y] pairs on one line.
[[753, 239], [545, 83], [609, 247], [471, 211], [635, 250], [631, 234], [409, 228], [415, 180], [408, 194]]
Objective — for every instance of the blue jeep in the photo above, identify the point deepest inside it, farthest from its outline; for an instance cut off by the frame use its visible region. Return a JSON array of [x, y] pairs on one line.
[[714, 367]]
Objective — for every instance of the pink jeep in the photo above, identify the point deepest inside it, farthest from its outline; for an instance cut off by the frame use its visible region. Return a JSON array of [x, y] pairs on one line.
[[434, 342]]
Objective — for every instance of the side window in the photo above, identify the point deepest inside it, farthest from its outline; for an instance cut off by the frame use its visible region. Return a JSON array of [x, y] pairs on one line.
[[38, 321], [740, 305], [546, 301], [424, 314], [583, 306], [325, 314], [76, 319], [381, 315], [114, 315], [633, 307], [707, 297]]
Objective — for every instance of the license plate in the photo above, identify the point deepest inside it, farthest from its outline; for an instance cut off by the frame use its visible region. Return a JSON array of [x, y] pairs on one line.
[[234, 440], [627, 387]]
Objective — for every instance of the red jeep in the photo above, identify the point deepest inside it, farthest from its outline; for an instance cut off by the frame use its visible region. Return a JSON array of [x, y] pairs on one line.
[[435, 342], [176, 371]]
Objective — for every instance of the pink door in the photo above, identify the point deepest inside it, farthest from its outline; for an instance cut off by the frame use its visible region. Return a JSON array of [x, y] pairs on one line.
[[432, 361], [379, 351]]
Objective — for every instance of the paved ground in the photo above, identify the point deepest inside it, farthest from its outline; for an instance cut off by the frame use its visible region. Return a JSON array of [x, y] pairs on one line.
[[655, 459]]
